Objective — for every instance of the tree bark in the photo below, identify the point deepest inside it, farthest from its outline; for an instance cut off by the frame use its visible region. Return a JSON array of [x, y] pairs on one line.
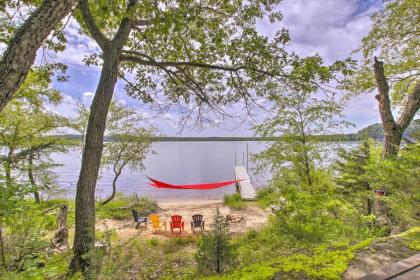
[[84, 238], [32, 179], [21, 52], [393, 130]]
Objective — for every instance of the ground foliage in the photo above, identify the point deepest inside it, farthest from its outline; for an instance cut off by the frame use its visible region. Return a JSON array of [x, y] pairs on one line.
[[234, 201], [215, 253]]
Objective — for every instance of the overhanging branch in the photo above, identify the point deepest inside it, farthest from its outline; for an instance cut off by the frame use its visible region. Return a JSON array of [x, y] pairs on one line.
[[91, 25], [147, 62], [411, 107]]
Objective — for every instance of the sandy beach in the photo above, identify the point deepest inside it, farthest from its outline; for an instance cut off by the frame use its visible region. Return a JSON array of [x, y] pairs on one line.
[[253, 217]]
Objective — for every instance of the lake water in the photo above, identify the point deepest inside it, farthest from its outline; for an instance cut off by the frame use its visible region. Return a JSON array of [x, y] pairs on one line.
[[174, 163], [171, 162]]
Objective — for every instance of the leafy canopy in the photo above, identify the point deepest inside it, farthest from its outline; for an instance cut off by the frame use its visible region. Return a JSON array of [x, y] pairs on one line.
[[297, 117], [394, 38], [130, 142], [202, 55]]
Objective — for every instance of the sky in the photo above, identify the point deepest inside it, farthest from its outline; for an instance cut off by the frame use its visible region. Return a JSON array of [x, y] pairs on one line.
[[331, 28]]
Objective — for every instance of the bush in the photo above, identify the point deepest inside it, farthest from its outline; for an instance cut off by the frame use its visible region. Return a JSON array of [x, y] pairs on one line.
[[321, 263], [400, 178], [119, 208], [24, 243], [234, 201], [267, 196], [215, 253]]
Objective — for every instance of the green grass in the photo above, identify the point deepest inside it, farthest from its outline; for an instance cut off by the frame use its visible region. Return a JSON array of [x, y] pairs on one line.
[[234, 201], [119, 208]]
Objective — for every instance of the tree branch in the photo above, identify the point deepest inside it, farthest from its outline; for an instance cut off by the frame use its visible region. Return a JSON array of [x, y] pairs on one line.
[[125, 26], [22, 154], [142, 22], [99, 37], [411, 108], [148, 62]]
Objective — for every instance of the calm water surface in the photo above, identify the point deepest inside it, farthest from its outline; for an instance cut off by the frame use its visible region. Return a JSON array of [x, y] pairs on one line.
[[174, 163], [171, 162]]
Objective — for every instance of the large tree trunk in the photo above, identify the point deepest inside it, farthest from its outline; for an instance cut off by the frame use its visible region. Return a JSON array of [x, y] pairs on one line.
[[393, 130], [392, 141], [21, 52], [32, 179], [84, 238]]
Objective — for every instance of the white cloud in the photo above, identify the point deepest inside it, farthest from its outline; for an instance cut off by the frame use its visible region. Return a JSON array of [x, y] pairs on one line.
[[122, 102], [88, 95], [331, 28], [66, 108], [67, 99], [78, 47]]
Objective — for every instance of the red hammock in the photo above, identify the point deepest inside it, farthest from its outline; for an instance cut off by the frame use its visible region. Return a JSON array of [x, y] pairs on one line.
[[158, 184]]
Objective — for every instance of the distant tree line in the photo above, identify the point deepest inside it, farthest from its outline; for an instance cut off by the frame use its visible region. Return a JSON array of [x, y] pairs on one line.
[[374, 131]]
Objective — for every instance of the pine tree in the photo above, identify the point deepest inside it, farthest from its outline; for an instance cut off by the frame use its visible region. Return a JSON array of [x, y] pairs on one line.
[[351, 174], [215, 254]]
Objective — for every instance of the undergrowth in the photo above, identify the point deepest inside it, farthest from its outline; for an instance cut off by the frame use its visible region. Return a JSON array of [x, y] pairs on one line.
[[119, 208], [321, 263], [234, 201]]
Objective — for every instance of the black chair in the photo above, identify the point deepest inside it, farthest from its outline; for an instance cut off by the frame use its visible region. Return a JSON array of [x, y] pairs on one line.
[[197, 222], [137, 219]]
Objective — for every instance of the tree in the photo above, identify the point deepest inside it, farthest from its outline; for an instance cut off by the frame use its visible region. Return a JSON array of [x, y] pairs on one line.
[[21, 51], [25, 126], [351, 166], [128, 143], [191, 53], [395, 38], [297, 117], [129, 150], [215, 254]]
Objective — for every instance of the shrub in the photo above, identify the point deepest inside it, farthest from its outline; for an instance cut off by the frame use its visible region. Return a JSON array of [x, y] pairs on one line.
[[24, 242], [119, 208], [234, 201], [400, 178], [215, 253], [267, 196], [322, 263]]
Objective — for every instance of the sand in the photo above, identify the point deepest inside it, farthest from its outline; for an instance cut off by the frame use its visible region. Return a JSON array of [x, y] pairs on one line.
[[253, 218]]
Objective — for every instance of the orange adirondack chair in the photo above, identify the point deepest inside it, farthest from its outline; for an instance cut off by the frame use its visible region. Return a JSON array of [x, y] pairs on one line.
[[176, 222], [156, 223]]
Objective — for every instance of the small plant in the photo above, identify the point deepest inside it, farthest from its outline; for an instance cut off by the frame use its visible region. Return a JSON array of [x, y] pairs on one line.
[[119, 208], [234, 201], [154, 242], [215, 253]]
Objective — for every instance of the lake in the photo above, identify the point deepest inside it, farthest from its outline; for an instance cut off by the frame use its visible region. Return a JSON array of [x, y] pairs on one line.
[[174, 163]]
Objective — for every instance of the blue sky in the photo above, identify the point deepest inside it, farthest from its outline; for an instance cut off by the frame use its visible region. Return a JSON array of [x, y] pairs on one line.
[[331, 28]]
